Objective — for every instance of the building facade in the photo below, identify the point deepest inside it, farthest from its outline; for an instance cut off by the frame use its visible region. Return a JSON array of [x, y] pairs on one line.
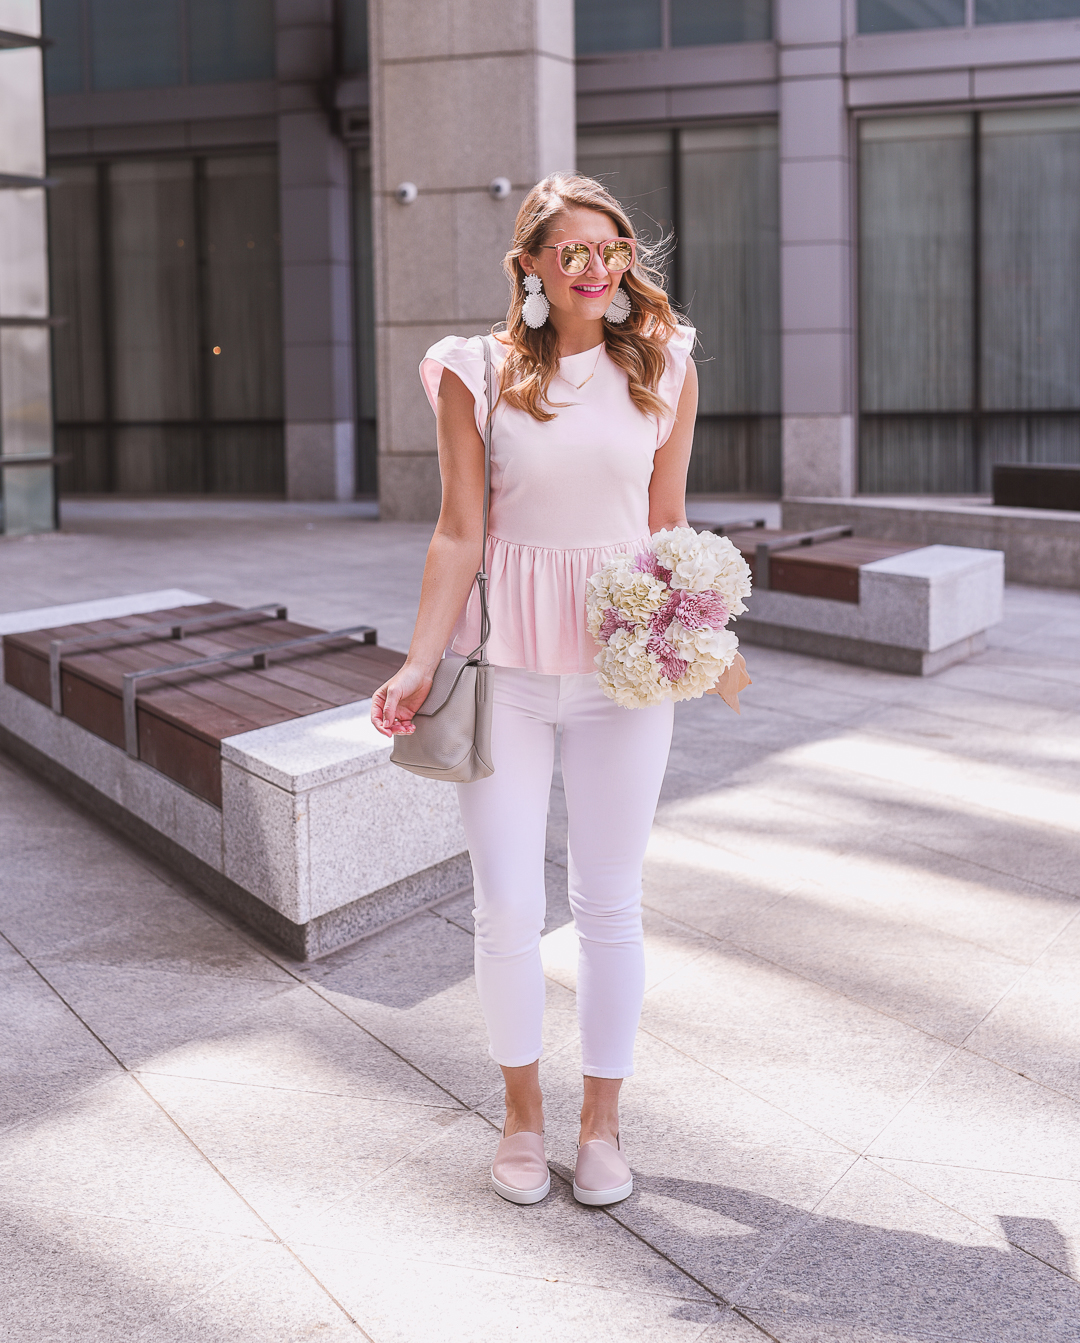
[[871, 209]]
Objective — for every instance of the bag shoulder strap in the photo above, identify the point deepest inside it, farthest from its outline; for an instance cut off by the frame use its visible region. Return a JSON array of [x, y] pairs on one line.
[[479, 653]]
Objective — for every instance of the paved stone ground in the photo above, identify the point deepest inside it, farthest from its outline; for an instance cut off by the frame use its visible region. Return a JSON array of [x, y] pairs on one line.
[[857, 1110]]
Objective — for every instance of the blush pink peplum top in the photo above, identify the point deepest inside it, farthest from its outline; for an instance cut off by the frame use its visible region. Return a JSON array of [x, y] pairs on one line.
[[566, 496]]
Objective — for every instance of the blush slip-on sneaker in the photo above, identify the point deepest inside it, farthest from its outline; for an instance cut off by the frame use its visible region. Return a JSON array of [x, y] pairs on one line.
[[601, 1175], [520, 1170]]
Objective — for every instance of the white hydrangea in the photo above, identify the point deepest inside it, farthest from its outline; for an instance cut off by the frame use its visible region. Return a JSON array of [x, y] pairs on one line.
[[622, 597], [701, 561]]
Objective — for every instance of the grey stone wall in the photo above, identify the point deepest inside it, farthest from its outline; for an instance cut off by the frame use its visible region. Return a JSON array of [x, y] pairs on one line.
[[460, 94]]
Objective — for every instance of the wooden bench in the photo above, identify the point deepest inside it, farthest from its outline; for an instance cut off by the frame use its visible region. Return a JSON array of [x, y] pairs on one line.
[[829, 593], [246, 757], [183, 715]]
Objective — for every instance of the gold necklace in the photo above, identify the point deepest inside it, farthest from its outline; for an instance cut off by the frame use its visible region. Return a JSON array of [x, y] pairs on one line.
[[577, 386]]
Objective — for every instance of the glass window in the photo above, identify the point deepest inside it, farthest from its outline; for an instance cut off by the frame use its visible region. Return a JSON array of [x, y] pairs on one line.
[[716, 190], [230, 40], [617, 25], [916, 304], [62, 25], [894, 16], [969, 301], [155, 276], [637, 169], [728, 279], [1025, 11], [698, 23], [135, 44], [367, 451], [242, 311], [354, 37], [168, 369], [1030, 259]]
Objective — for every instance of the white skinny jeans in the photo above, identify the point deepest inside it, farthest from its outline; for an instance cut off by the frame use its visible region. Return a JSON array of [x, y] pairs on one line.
[[613, 763]]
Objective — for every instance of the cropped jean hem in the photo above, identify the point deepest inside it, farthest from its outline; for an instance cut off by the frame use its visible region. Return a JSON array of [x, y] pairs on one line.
[[606, 1072], [523, 1062]]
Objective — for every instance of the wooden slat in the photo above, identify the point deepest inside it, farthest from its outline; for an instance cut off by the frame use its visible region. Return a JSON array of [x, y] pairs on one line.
[[28, 671], [830, 569], [183, 717], [193, 763], [39, 640]]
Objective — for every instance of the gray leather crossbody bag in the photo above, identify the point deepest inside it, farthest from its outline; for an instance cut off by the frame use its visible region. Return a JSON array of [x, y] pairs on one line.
[[452, 737]]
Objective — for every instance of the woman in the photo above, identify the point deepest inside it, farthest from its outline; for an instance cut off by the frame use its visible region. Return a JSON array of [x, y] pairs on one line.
[[591, 439]]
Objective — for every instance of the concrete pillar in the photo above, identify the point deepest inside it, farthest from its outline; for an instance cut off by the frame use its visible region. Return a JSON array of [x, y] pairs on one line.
[[26, 431], [462, 92], [815, 251], [316, 260]]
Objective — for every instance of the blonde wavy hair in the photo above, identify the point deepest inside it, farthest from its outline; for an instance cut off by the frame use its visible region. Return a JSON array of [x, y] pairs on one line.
[[636, 346]]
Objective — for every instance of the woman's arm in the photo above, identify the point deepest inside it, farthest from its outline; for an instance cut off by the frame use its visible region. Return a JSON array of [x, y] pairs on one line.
[[667, 489], [452, 559]]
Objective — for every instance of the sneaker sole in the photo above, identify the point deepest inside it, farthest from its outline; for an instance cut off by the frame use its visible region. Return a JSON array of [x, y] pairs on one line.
[[600, 1198], [521, 1195]]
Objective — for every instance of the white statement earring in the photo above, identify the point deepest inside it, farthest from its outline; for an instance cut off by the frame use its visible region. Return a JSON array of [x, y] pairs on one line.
[[535, 309], [618, 310]]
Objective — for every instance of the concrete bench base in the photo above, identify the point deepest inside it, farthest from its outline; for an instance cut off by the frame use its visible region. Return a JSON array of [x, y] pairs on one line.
[[319, 839], [861, 652], [917, 613], [1041, 547]]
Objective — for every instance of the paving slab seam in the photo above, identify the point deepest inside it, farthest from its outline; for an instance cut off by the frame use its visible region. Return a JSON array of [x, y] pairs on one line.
[[741, 1086], [298, 1091], [786, 801], [186, 1136], [996, 1230], [525, 1277], [176, 884], [722, 942]]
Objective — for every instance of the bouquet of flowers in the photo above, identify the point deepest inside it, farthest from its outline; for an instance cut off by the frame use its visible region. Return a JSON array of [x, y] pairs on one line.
[[659, 617]]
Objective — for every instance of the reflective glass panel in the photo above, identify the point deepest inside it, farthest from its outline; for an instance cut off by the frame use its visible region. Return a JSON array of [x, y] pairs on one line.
[[354, 36], [893, 16], [915, 209], [25, 396], [916, 304], [364, 325], [697, 23], [22, 138], [75, 275], [64, 59], [230, 40], [24, 278], [243, 288], [1031, 259], [730, 282], [729, 245], [637, 169], [154, 291], [617, 25], [135, 44], [1025, 11]]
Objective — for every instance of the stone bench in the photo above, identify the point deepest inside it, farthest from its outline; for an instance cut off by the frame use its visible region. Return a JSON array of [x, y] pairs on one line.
[[264, 785], [883, 604]]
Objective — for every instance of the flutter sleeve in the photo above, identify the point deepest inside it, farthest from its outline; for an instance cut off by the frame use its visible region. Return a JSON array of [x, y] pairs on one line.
[[463, 356], [676, 355]]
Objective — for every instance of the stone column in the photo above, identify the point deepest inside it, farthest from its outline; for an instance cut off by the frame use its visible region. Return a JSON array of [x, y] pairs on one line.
[[462, 92], [26, 431], [815, 252], [316, 260]]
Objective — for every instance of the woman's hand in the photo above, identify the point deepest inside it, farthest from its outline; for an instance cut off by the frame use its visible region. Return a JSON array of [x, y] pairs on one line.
[[394, 704]]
